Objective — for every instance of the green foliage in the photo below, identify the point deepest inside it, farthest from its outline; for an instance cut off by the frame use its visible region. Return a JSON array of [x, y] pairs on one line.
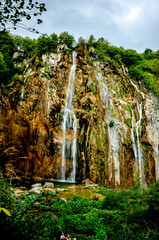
[[66, 38], [128, 213], [14, 11], [81, 41], [142, 67], [148, 72], [43, 44], [6, 43], [4, 71], [26, 44], [111, 124], [91, 41], [131, 57], [88, 187], [6, 62], [127, 122], [6, 211], [47, 43]]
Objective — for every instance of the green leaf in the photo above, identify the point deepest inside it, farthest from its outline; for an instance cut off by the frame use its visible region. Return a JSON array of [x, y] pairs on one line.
[[7, 212]]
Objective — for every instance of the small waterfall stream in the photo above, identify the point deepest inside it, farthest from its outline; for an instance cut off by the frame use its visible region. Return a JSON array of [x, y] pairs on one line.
[[138, 154], [113, 131], [22, 93], [69, 150]]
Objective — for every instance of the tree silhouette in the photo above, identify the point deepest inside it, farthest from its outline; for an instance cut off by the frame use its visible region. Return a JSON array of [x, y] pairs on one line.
[[12, 12]]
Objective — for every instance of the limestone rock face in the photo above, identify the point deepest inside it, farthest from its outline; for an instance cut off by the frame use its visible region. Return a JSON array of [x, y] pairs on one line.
[[117, 129], [62, 47], [152, 128], [52, 59]]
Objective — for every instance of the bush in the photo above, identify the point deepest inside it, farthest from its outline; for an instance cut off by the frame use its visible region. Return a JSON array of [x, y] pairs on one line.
[[131, 214]]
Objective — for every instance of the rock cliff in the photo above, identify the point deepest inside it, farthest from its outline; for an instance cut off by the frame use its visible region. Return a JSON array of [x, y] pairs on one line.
[[117, 122]]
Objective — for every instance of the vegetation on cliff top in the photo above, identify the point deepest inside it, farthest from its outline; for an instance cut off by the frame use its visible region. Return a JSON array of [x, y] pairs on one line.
[[142, 67]]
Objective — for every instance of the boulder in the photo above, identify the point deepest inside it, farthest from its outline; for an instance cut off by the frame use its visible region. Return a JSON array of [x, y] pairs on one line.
[[48, 185], [52, 59], [88, 182], [62, 47], [37, 190], [36, 185], [51, 191]]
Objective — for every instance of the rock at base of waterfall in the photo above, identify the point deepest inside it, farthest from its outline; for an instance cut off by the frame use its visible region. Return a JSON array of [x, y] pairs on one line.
[[48, 185], [36, 185], [51, 191], [88, 182], [37, 190]]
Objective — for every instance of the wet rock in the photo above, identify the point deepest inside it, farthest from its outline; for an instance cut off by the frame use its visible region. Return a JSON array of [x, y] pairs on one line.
[[60, 189], [88, 182], [52, 59], [48, 185], [36, 185], [37, 190], [51, 191]]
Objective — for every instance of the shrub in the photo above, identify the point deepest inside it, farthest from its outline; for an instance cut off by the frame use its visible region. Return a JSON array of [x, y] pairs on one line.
[[111, 124]]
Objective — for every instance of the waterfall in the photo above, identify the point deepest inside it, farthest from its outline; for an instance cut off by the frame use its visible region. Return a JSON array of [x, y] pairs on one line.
[[47, 95], [125, 73], [138, 133], [69, 150], [22, 93], [113, 131], [133, 138], [138, 154]]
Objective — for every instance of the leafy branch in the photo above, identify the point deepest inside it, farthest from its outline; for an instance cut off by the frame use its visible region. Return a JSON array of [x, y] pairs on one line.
[[13, 11]]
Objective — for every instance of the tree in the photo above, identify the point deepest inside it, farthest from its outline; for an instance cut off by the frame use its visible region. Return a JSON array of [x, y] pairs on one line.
[[4, 71], [91, 41], [24, 44], [43, 44], [131, 57], [6, 61], [53, 42], [13, 11], [66, 38], [6, 43], [81, 41]]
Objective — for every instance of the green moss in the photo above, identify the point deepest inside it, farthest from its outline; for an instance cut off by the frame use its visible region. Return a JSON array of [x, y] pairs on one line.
[[128, 122], [147, 146], [111, 124], [88, 187], [91, 85], [122, 112], [106, 126]]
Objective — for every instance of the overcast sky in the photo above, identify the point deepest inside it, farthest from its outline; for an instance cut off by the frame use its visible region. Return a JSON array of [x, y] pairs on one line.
[[129, 23]]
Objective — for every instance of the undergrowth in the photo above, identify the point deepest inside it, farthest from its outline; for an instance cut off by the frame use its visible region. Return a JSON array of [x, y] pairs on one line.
[[125, 214]]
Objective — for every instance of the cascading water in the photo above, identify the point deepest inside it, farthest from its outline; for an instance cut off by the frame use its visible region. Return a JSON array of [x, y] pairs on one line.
[[69, 150], [113, 131], [133, 138], [22, 94], [138, 154]]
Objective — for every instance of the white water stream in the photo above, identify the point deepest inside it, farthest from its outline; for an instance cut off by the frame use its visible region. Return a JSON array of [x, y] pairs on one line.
[[113, 131], [22, 93], [138, 154], [69, 150]]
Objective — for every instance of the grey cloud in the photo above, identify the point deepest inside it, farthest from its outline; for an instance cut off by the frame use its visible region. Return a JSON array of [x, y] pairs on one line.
[[128, 23]]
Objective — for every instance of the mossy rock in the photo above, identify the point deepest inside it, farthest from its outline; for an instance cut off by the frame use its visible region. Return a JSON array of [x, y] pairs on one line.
[[91, 85]]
